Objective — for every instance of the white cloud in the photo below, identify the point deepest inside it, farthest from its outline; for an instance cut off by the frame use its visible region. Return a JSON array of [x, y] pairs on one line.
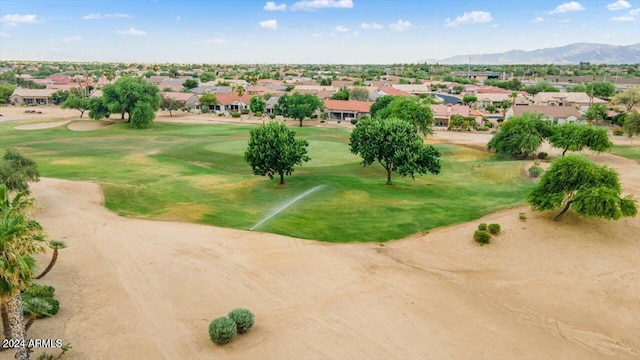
[[4, 35], [98, 16], [70, 39], [371, 26], [322, 4], [618, 5], [567, 7], [271, 6], [400, 25], [269, 24], [537, 20], [132, 31], [634, 12], [340, 28], [472, 17], [178, 18], [623, 18], [15, 19]]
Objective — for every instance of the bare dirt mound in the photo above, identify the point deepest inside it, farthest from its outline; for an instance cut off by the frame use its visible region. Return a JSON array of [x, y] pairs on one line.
[[87, 125], [148, 289], [40, 126]]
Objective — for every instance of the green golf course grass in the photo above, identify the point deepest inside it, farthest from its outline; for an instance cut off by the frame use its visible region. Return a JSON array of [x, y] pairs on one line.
[[196, 173], [630, 152]]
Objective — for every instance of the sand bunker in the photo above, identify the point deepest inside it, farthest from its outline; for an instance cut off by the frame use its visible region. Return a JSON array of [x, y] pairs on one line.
[[40, 126], [87, 125]]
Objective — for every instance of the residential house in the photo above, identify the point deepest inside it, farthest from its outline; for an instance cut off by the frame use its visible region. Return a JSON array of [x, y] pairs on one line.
[[555, 114], [23, 96], [189, 99], [347, 109], [413, 88], [442, 113], [495, 99], [229, 102], [208, 89], [578, 100]]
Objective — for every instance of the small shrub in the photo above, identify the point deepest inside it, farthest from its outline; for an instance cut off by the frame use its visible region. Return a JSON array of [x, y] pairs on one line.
[[482, 237], [494, 228], [220, 114], [535, 171], [258, 113], [494, 132], [245, 111], [222, 330], [272, 116], [235, 114], [354, 121], [543, 155], [243, 318], [339, 121], [482, 128], [482, 226], [321, 121], [617, 131], [43, 291], [522, 216]]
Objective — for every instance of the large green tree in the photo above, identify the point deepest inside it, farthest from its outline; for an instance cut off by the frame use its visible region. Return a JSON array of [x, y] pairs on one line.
[[6, 90], [601, 89], [342, 94], [589, 189], [274, 150], [394, 144], [412, 110], [16, 171], [142, 116], [257, 104], [627, 98], [631, 124], [171, 104], [520, 136], [574, 137], [77, 103], [123, 95], [359, 93], [301, 106], [381, 103], [98, 109], [596, 113]]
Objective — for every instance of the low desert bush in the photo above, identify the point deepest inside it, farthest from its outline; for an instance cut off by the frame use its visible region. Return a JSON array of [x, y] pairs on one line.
[[272, 116], [482, 128], [45, 293], [245, 111], [494, 228], [535, 171], [482, 237], [543, 155], [617, 130], [222, 330], [258, 113], [243, 318], [522, 216], [482, 226], [235, 114], [354, 121]]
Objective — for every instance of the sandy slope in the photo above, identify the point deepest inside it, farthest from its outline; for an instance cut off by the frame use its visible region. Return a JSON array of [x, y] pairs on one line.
[[138, 289]]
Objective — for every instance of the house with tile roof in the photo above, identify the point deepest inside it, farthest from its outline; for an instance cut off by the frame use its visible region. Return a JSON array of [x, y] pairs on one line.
[[189, 99], [347, 109], [230, 102], [21, 96], [555, 114], [442, 113], [578, 100]]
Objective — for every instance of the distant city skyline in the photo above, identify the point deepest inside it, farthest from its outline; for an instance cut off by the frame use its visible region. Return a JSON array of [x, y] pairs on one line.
[[303, 31]]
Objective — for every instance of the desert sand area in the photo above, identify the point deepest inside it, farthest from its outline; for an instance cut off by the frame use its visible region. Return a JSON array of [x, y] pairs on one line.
[[140, 289]]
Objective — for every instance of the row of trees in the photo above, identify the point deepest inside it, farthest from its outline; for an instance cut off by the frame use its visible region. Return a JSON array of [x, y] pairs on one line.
[[391, 138], [521, 136], [21, 237]]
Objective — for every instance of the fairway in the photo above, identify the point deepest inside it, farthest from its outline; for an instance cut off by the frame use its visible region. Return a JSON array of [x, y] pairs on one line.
[[196, 173]]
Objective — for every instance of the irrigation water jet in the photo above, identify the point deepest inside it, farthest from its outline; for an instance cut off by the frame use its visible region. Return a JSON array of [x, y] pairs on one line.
[[285, 205]]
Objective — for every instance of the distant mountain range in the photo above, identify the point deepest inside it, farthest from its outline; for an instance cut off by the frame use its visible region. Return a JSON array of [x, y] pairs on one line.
[[568, 54]]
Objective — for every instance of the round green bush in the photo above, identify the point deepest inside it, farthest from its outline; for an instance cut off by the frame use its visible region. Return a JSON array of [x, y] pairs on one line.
[[494, 228], [543, 155], [235, 114], [482, 226], [222, 330], [243, 318], [535, 171], [482, 237], [272, 116]]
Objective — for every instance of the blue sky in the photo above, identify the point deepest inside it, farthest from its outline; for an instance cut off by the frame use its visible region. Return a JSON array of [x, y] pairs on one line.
[[303, 31]]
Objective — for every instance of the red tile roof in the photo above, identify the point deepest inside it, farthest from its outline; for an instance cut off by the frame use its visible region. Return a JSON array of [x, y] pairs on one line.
[[394, 92], [227, 99], [178, 96], [348, 105], [448, 110]]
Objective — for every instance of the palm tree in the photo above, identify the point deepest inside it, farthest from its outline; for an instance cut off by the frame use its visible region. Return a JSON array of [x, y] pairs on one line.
[[514, 96], [35, 307], [55, 245], [19, 239], [239, 89]]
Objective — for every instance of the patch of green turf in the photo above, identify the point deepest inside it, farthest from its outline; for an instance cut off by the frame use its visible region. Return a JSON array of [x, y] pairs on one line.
[[630, 152], [197, 173]]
